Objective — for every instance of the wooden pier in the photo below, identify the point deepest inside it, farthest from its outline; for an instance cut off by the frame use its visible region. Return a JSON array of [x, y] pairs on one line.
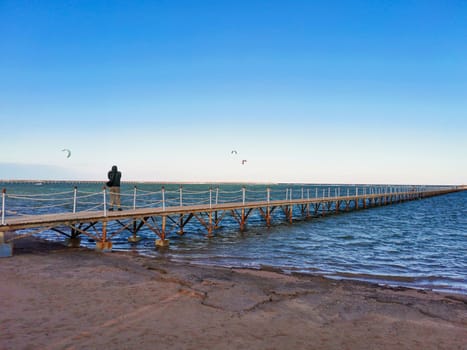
[[103, 225]]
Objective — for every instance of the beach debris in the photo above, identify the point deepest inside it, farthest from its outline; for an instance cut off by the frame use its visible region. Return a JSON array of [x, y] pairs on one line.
[[68, 155], [244, 161]]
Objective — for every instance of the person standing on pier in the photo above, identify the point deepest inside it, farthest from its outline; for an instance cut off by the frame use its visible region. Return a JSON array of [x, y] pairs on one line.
[[114, 187]]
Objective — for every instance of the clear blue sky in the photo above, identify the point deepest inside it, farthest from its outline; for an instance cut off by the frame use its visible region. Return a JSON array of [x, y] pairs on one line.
[[305, 91]]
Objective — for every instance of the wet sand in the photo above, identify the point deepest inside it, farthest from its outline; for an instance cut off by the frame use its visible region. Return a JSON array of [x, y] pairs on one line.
[[52, 297]]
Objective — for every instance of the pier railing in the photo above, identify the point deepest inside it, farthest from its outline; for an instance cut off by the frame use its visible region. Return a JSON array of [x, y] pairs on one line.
[[15, 205]]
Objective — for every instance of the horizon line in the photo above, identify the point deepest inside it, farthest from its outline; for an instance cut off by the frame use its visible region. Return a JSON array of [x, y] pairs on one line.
[[151, 182]]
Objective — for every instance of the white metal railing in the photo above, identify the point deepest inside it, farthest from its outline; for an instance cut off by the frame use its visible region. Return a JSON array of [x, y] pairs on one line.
[[15, 205]]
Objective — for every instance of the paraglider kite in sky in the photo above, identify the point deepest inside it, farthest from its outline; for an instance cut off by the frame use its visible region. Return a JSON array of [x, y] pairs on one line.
[[68, 152], [233, 152]]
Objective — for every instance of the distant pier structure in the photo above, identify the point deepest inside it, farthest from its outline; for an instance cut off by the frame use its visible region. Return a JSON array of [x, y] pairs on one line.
[[76, 182], [79, 213]]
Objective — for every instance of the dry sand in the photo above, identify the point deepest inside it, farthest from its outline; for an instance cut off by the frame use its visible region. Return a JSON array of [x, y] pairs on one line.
[[53, 297]]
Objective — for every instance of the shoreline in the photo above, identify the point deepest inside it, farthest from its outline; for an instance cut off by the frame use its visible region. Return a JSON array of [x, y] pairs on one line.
[[385, 281], [392, 282], [54, 297]]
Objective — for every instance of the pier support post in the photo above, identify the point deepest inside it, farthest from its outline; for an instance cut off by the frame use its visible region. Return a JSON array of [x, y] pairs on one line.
[[162, 242], [216, 220], [6, 249], [104, 245], [134, 238], [181, 232], [268, 216], [210, 226], [356, 198], [74, 241], [242, 220], [268, 208]]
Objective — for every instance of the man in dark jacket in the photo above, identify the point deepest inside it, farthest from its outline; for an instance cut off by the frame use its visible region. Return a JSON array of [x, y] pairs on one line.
[[114, 187]]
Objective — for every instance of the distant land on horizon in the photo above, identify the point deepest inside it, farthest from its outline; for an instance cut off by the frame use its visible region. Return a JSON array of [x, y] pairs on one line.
[[45, 181]]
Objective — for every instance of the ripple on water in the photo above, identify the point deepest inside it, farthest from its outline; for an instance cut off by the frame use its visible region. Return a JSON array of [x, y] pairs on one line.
[[418, 244]]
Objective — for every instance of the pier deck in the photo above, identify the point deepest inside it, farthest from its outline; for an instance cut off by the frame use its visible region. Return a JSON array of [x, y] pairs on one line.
[[95, 224]]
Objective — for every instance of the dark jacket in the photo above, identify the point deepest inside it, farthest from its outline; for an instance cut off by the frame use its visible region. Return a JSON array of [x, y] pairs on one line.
[[114, 177]]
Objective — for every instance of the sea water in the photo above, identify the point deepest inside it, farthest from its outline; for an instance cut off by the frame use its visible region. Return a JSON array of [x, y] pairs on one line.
[[419, 244]]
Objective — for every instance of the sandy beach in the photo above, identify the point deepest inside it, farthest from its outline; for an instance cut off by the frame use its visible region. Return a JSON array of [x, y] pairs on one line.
[[52, 297]]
